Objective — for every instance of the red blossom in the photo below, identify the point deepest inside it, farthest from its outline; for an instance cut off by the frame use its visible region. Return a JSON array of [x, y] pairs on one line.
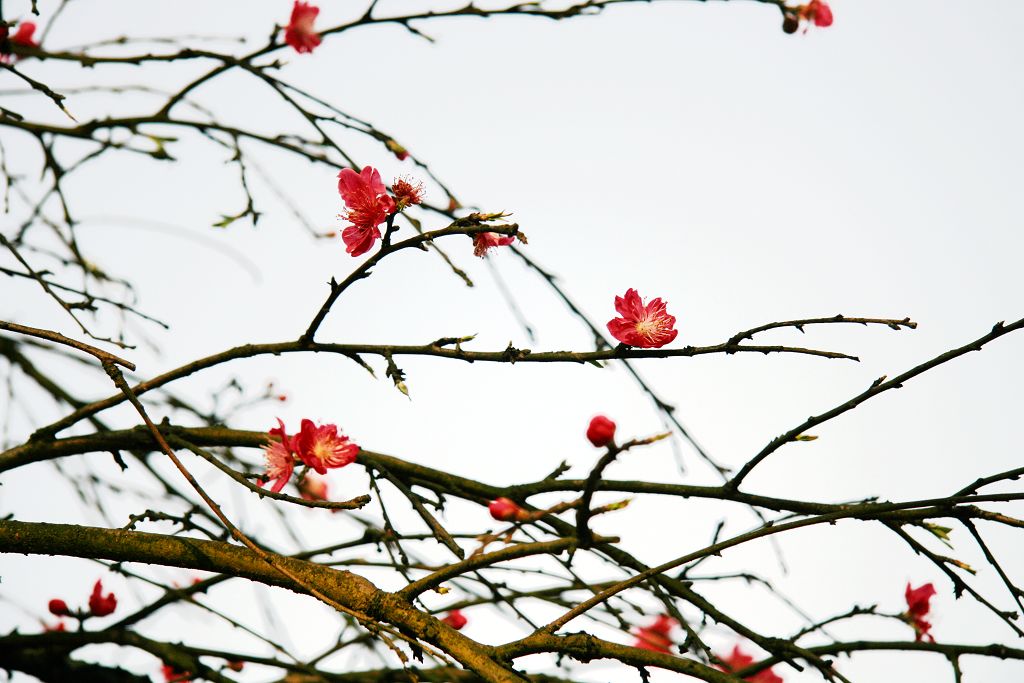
[[59, 608], [601, 431], [23, 36], [456, 619], [507, 510], [101, 605], [655, 636], [483, 241], [367, 203], [647, 326], [60, 626], [299, 32], [279, 458], [918, 606], [408, 192], [174, 675], [817, 12], [236, 665], [740, 660], [322, 447]]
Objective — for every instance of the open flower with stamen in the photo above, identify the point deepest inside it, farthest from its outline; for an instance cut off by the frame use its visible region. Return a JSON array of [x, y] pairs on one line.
[[322, 447], [484, 241], [279, 458], [646, 326], [408, 192], [299, 33], [367, 205]]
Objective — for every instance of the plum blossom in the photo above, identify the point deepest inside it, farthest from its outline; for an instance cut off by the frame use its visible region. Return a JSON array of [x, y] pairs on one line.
[[367, 203], [322, 447], [279, 458], [484, 241], [817, 12], [22, 36], [299, 32], [655, 636], [601, 431], [174, 675], [408, 192], [456, 619], [646, 326], [101, 605], [507, 510], [58, 608], [739, 660], [918, 606]]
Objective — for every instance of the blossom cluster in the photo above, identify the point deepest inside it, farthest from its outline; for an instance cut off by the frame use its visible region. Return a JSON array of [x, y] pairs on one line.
[[368, 204], [657, 636], [320, 447]]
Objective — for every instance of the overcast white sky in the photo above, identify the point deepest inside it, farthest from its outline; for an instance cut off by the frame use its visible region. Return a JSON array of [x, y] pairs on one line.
[[690, 150]]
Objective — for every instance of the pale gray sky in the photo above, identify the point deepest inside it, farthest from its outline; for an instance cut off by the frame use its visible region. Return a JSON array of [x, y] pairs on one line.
[[690, 150]]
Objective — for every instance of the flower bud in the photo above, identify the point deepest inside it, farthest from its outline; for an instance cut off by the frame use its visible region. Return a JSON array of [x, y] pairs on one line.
[[456, 619], [59, 608], [506, 510], [601, 431]]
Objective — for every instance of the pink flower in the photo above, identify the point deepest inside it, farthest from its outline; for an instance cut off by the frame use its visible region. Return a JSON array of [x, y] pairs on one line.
[[647, 326], [299, 32], [655, 637], [101, 605], [322, 447], [739, 660], [367, 206], [279, 458], [59, 608], [23, 36], [601, 431], [482, 241], [456, 619], [507, 510], [407, 191], [816, 11], [918, 606]]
